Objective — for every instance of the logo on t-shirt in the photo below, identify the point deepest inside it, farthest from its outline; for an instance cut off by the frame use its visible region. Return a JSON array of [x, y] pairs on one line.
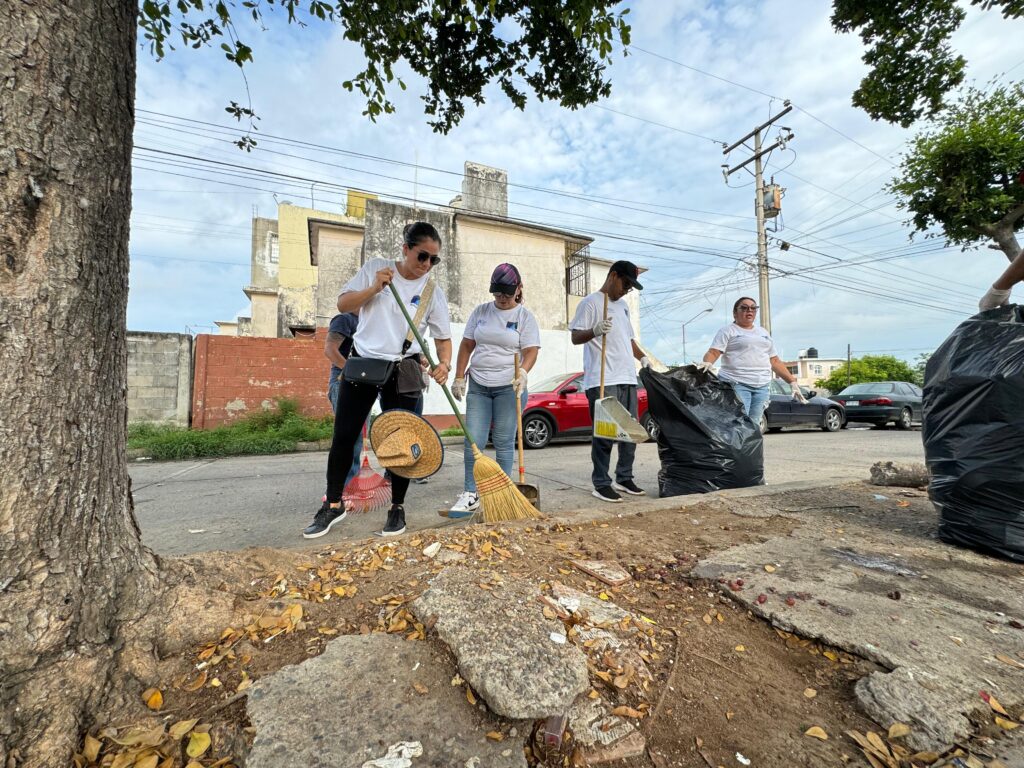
[[511, 326], [416, 300]]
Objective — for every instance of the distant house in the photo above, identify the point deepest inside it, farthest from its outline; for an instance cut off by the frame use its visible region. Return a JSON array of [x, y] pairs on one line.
[[302, 259], [808, 367]]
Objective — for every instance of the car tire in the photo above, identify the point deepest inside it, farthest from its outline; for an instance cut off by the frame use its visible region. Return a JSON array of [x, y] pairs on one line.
[[832, 421], [774, 430], [906, 419], [763, 424], [537, 431], [648, 423]]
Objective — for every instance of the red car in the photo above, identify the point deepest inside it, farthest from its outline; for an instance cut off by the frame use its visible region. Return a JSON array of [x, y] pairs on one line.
[[557, 409]]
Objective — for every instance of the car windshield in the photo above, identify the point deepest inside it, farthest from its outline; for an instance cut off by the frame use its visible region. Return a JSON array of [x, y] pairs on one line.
[[876, 388], [549, 384]]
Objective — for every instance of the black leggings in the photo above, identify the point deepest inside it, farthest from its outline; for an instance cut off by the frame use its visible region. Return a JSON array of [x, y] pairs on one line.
[[354, 404]]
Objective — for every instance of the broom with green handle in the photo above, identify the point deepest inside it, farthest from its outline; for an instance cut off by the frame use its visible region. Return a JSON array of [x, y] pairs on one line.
[[499, 497]]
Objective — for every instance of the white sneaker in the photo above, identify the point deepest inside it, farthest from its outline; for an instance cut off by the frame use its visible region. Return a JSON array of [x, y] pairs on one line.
[[466, 503]]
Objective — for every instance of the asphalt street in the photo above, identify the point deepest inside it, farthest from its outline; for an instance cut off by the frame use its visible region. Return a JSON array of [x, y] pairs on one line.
[[253, 501]]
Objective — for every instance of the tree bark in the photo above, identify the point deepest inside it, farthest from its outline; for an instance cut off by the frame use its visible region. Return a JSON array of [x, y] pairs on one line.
[[73, 570]]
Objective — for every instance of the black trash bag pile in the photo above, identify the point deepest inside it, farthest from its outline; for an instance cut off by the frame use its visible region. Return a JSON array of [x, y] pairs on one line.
[[974, 433], [705, 441]]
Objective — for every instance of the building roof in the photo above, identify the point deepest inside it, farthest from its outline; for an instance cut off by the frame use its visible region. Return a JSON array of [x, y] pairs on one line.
[[520, 224], [313, 227]]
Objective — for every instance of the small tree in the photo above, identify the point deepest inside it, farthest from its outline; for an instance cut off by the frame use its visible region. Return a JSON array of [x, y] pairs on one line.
[[966, 175], [867, 369], [919, 366], [913, 66]]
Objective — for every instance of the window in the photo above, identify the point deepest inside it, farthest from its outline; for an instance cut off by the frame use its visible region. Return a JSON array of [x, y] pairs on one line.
[[577, 273], [794, 369], [778, 388], [816, 370], [273, 248]]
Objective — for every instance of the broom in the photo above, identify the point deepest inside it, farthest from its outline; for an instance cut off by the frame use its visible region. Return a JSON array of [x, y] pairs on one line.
[[499, 497], [368, 490]]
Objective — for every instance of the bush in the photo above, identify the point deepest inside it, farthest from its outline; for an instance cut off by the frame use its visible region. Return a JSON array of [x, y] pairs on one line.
[[452, 432], [272, 431]]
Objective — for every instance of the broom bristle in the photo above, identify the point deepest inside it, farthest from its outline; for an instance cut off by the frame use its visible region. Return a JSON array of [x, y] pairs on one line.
[[499, 497]]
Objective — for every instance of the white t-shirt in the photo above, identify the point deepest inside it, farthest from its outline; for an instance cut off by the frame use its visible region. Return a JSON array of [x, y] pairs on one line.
[[499, 335], [745, 354], [619, 366], [382, 329]]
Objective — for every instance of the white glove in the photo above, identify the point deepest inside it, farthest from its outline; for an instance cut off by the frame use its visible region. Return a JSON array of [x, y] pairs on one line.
[[459, 389], [798, 396], [994, 298], [706, 367], [519, 383], [602, 327], [645, 362]]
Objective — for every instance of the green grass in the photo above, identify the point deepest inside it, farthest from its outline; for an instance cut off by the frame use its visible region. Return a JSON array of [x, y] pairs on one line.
[[452, 432], [273, 431]]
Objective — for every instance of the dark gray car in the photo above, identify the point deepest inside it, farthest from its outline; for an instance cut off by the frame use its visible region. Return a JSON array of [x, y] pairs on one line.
[[784, 411], [880, 402]]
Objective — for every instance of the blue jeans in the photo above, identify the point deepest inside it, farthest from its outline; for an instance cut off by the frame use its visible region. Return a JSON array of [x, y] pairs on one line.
[[754, 399], [493, 410], [357, 450]]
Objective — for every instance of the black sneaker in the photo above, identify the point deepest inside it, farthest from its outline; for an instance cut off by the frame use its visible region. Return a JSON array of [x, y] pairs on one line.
[[629, 487], [607, 494], [323, 520], [396, 521]]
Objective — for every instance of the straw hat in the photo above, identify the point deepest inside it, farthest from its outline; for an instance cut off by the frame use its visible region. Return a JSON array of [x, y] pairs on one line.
[[406, 444]]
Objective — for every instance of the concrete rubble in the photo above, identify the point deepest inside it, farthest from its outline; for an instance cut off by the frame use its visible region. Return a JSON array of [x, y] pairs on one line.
[[355, 705], [503, 644]]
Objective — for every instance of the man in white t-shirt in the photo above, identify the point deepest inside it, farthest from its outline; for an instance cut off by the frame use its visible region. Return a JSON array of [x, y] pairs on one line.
[[588, 327]]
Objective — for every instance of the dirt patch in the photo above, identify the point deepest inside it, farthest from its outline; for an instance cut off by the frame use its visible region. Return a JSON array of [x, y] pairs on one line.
[[724, 682]]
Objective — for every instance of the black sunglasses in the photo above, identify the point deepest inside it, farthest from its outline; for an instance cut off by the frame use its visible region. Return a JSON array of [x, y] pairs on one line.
[[423, 256], [746, 308]]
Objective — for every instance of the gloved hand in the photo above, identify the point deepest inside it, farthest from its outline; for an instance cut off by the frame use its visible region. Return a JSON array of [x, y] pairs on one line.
[[645, 362], [798, 396], [519, 383], [994, 298], [706, 367], [459, 389], [602, 327]]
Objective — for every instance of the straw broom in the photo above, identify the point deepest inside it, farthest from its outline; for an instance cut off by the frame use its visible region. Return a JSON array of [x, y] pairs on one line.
[[499, 497]]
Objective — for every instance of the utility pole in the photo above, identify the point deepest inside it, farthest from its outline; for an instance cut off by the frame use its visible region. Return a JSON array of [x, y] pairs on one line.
[[848, 361], [764, 298]]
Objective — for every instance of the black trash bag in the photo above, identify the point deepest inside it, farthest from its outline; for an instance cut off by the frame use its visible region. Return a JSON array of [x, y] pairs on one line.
[[705, 441], [973, 433]]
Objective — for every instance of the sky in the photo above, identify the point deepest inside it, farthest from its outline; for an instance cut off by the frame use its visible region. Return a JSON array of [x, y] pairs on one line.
[[640, 172]]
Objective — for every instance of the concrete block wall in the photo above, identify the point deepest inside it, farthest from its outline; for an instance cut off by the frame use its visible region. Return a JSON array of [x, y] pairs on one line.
[[235, 376], [159, 377]]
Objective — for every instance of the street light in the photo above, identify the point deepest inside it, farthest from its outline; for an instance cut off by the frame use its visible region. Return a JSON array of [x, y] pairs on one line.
[[699, 314]]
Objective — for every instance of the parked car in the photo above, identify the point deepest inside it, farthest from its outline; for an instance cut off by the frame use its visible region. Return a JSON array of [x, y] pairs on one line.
[[784, 411], [880, 402], [557, 409]]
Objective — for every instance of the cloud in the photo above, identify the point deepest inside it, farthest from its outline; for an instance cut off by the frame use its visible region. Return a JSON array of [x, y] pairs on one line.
[[678, 218]]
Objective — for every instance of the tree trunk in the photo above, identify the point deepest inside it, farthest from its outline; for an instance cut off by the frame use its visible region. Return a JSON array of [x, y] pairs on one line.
[[72, 566]]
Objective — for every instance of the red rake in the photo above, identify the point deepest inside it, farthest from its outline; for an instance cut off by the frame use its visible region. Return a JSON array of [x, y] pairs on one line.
[[368, 490]]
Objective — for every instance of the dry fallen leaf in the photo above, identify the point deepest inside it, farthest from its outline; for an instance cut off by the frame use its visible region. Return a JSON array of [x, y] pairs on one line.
[[153, 698], [624, 711], [810, 693], [1009, 660], [902, 503], [198, 743], [880, 746], [770, 568], [1006, 725], [196, 684], [816, 732], [740, 649], [831, 655], [495, 736], [896, 730], [92, 748], [180, 728], [470, 697], [925, 757], [421, 689], [707, 619], [996, 706]]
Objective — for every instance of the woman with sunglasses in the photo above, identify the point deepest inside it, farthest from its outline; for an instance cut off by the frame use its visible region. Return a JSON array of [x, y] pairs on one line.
[[748, 358], [384, 362], [496, 331]]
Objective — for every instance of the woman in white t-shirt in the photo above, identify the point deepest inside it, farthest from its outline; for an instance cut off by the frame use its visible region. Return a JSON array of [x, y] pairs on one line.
[[384, 363], [748, 358], [495, 332]]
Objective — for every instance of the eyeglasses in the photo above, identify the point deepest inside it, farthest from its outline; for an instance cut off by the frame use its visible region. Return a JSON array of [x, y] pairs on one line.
[[746, 308], [424, 256]]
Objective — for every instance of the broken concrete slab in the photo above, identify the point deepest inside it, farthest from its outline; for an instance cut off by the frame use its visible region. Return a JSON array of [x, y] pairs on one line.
[[877, 585], [566, 601], [503, 644], [602, 736], [350, 704], [610, 573]]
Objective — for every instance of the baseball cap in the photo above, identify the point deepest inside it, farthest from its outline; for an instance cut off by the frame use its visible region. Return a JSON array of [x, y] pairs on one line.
[[505, 279], [628, 271]]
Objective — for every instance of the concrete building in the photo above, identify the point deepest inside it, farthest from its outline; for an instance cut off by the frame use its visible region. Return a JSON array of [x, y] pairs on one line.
[[301, 261], [808, 367]]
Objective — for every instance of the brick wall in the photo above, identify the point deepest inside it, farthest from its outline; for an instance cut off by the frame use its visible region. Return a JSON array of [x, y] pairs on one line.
[[236, 375]]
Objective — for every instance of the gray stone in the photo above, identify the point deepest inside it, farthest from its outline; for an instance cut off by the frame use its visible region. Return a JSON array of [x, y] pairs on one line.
[[603, 737], [354, 701], [503, 644], [889, 473], [447, 555]]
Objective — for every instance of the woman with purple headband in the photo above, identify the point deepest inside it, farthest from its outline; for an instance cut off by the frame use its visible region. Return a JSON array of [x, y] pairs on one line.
[[495, 332]]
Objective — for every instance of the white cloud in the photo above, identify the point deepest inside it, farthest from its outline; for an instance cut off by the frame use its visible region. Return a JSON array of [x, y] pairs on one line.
[[782, 48]]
